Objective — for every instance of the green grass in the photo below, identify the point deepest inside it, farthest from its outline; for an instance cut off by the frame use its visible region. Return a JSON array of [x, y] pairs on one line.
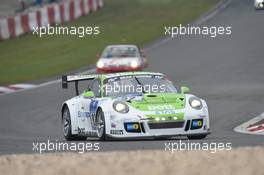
[[121, 21]]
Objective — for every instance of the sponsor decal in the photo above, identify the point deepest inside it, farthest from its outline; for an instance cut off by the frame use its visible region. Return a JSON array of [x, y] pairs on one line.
[[113, 125], [83, 114], [132, 127], [81, 130], [160, 107], [165, 112], [90, 116], [116, 132], [197, 124], [91, 133]]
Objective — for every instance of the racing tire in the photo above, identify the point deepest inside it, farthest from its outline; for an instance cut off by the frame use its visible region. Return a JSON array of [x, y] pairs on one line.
[[196, 137], [66, 121], [100, 125]]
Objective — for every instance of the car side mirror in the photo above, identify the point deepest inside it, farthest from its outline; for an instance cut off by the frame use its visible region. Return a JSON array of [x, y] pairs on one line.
[[185, 90], [88, 94]]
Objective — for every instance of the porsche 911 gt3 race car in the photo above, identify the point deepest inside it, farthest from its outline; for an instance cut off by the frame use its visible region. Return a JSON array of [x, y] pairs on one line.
[[259, 4], [121, 58], [132, 105]]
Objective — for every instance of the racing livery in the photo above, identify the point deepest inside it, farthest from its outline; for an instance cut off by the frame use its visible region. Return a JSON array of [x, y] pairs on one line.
[[149, 106], [121, 58]]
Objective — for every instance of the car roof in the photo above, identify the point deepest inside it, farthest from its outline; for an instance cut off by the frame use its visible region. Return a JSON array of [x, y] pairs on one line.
[[122, 45]]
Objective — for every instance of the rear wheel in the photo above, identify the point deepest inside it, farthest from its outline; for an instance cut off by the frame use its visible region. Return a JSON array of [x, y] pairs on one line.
[[66, 121], [197, 137], [100, 124]]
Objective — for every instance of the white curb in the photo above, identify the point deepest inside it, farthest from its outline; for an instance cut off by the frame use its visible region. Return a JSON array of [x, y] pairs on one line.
[[244, 128]]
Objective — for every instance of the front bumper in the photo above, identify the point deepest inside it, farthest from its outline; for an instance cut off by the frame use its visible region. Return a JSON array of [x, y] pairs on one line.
[[118, 130], [153, 137]]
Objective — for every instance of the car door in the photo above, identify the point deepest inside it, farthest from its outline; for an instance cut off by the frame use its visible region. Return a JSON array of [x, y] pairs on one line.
[[87, 109]]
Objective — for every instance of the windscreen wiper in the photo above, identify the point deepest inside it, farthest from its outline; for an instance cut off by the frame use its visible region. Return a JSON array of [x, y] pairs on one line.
[[140, 85]]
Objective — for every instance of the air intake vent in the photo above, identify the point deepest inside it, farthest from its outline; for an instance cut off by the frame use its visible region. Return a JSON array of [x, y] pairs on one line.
[[166, 125], [187, 126]]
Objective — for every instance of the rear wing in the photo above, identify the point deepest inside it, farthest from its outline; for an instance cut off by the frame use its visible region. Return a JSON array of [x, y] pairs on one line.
[[76, 78]]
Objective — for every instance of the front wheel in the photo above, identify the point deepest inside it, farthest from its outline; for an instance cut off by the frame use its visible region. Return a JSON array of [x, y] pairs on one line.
[[66, 121], [196, 137], [100, 124]]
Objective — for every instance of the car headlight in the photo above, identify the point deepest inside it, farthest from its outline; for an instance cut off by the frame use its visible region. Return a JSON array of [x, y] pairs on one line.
[[100, 64], [120, 107], [134, 64], [195, 103]]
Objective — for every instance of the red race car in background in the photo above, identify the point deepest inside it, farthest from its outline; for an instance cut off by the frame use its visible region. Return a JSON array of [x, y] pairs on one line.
[[121, 58]]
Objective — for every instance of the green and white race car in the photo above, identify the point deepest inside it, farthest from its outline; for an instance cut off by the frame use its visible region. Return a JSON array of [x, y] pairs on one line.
[[132, 105]]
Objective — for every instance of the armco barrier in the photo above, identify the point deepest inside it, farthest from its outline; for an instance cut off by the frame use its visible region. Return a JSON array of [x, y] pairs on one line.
[[56, 13]]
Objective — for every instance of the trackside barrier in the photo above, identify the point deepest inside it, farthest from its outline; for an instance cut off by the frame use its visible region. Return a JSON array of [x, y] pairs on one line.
[[56, 13]]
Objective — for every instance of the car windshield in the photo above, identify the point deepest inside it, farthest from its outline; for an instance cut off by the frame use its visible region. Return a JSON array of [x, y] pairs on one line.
[[120, 52], [124, 85]]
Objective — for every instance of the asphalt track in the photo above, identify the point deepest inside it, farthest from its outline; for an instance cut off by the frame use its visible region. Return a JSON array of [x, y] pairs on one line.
[[226, 71]]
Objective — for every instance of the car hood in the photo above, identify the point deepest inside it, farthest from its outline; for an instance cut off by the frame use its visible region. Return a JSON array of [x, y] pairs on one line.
[[118, 61], [156, 101]]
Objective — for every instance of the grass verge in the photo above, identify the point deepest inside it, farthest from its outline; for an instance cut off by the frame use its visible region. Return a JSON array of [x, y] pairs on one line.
[[30, 58]]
